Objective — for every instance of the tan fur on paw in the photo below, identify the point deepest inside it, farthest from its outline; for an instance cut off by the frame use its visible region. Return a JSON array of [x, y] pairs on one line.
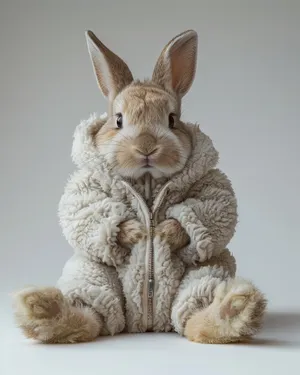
[[233, 307], [44, 314], [131, 232], [235, 315], [243, 305], [39, 303], [171, 231], [201, 329]]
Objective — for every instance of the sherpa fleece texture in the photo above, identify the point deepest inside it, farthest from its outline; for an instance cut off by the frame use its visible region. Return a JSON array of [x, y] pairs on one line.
[[111, 279]]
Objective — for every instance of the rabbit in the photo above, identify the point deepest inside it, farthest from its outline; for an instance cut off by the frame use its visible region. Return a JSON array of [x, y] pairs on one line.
[[149, 216]]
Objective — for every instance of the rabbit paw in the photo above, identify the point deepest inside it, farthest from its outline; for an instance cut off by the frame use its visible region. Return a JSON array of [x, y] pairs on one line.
[[236, 314], [172, 232], [131, 232], [45, 315]]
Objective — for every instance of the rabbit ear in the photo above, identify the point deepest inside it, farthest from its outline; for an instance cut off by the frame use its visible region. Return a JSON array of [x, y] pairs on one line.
[[176, 66], [111, 71]]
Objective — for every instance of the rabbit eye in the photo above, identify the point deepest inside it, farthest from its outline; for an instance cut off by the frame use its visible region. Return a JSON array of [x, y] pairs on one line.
[[119, 120], [171, 120]]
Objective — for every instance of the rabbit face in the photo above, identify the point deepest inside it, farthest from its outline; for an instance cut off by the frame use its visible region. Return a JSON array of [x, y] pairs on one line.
[[144, 133]]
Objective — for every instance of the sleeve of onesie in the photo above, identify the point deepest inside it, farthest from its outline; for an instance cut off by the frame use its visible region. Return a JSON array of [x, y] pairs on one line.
[[89, 219], [209, 216]]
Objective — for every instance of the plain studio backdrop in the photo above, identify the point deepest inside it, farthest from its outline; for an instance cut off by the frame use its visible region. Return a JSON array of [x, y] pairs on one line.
[[245, 97]]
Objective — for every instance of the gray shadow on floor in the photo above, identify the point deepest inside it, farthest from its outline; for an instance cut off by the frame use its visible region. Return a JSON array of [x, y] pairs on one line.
[[282, 321], [281, 329]]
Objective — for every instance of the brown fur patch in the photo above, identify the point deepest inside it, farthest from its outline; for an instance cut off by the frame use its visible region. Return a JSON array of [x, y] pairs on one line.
[[231, 317], [43, 305], [45, 315], [131, 232], [171, 231]]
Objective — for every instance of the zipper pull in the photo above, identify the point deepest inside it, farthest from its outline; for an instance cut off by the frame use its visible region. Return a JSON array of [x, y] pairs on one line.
[[150, 288]]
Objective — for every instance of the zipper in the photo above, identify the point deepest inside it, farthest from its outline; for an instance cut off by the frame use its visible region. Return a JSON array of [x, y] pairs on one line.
[[151, 275], [150, 265], [149, 283]]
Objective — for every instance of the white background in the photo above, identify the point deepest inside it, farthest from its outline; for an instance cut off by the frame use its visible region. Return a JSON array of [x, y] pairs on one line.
[[246, 98]]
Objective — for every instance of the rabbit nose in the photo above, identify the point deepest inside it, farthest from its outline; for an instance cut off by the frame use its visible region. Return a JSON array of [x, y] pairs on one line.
[[145, 152], [145, 145]]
